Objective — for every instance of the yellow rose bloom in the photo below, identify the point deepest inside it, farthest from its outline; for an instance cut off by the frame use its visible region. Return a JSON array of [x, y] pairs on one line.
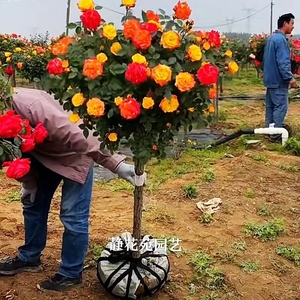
[[74, 118], [206, 46], [233, 67], [211, 109], [170, 40], [8, 59], [109, 31], [65, 64], [115, 48], [78, 99], [102, 57], [185, 81], [161, 74], [147, 103], [113, 137], [7, 54], [95, 107], [118, 100], [191, 109], [18, 49], [140, 59], [129, 3], [34, 52], [194, 53], [84, 5], [228, 53], [169, 106]]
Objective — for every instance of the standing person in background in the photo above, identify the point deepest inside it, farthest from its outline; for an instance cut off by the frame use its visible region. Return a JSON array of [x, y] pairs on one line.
[[277, 73]]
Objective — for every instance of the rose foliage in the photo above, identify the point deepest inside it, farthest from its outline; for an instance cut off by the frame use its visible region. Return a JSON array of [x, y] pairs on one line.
[[142, 82]]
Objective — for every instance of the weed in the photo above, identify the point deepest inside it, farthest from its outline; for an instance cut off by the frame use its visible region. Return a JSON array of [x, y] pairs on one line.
[[212, 277], [290, 253], [265, 210], [209, 175], [13, 196], [259, 157], [289, 168], [249, 193], [226, 256], [206, 218], [292, 146], [190, 191], [268, 231], [250, 266], [211, 296], [242, 246]]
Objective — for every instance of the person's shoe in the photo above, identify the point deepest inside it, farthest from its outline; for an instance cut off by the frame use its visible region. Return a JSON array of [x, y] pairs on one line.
[[13, 266], [275, 138], [59, 283]]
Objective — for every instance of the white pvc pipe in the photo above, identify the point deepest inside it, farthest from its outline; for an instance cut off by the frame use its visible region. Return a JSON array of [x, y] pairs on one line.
[[273, 130]]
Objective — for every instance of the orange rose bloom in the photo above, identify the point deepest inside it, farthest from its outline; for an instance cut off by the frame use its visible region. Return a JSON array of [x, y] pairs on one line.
[[92, 68], [131, 26], [212, 92], [161, 74], [152, 16], [95, 107], [182, 11], [169, 106], [61, 47], [142, 39], [185, 81]]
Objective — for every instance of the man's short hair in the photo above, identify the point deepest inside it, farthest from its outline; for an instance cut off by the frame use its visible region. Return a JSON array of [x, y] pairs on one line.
[[284, 18]]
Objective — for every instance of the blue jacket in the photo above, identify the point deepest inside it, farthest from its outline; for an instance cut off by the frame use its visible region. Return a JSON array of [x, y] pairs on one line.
[[277, 61]]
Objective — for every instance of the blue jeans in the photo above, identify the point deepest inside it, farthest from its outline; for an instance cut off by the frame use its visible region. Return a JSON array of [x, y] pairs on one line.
[[277, 101], [74, 214]]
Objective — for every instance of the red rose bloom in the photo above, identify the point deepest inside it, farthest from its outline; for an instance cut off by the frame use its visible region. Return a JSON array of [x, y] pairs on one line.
[[39, 133], [17, 168], [91, 19], [150, 27], [208, 74], [10, 125], [28, 144], [27, 129], [130, 109], [9, 70], [136, 73], [55, 67]]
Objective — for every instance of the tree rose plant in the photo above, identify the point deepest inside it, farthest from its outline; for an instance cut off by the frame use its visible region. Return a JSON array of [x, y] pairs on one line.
[[16, 134], [142, 82]]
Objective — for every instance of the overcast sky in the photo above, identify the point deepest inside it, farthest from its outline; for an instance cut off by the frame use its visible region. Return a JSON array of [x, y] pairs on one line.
[[28, 17]]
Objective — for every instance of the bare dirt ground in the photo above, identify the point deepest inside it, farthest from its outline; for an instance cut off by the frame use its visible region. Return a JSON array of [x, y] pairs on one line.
[[256, 185]]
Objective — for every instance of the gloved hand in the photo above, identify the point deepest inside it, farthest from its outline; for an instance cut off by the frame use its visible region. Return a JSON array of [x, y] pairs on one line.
[[126, 171], [28, 190]]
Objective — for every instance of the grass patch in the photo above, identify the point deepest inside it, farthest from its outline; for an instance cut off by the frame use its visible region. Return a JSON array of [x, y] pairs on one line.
[[289, 253], [268, 231], [241, 246]]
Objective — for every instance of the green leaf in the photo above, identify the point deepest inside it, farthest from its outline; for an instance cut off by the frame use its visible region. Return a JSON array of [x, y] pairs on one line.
[[179, 54], [148, 126], [90, 53], [118, 69], [92, 84], [168, 94], [151, 50], [162, 11], [98, 7], [122, 52], [72, 75], [110, 113], [1, 151], [178, 67], [72, 25], [144, 16], [17, 141], [85, 132], [156, 56], [169, 25], [78, 30], [172, 60]]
